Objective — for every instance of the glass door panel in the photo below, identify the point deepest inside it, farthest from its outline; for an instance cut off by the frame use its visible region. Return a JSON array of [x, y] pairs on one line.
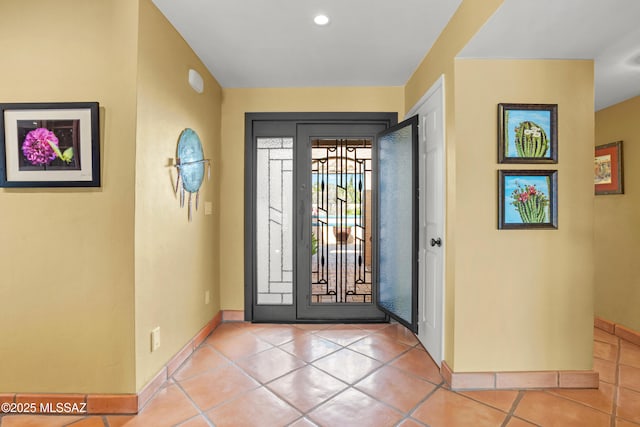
[[334, 199], [274, 221], [397, 222], [341, 220]]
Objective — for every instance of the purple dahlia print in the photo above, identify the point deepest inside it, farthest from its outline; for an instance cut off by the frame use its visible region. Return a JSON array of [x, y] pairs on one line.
[[38, 146]]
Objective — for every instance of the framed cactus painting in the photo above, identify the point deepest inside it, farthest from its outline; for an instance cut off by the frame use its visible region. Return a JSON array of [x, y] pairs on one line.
[[527, 199], [527, 133], [49, 145]]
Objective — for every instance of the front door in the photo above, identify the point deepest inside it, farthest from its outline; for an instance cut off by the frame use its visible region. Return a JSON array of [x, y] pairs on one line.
[[335, 213], [309, 203]]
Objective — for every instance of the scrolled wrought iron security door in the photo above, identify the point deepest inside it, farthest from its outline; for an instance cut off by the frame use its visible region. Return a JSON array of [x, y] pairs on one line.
[[341, 193], [335, 217]]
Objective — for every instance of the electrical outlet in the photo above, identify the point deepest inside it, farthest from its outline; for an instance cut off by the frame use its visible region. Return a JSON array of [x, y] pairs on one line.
[[208, 208], [155, 339], [207, 297]]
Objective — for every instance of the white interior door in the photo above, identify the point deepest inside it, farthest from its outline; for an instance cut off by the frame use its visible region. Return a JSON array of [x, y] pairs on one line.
[[431, 223]]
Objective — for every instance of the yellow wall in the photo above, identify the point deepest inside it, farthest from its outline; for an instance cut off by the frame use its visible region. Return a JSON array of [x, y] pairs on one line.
[[616, 231], [176, 261], [524, 298], [67, 282], [467, 20], [493, 319], [137, 263], [237, 102]]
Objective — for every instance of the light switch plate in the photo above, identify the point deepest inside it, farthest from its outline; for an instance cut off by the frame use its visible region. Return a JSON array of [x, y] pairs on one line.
[[155, 339]]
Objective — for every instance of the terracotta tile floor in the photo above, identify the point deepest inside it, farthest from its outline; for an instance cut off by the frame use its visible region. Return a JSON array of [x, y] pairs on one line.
[[358, 375]]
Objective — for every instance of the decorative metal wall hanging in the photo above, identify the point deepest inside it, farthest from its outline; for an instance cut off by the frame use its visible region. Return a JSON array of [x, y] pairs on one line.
[[190, 163]]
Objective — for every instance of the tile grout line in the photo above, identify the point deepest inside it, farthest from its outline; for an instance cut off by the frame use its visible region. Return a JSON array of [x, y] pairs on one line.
[[616, 383], [616, 388], [382, 364], [232, 362], [352, 385], [321, 357], [193, 418], [569, 399], [512, 410], [224, 402], [407, 414], [200, 411], [305, 414], [410, 412], [340, 347], [388, 364], [265, 384]]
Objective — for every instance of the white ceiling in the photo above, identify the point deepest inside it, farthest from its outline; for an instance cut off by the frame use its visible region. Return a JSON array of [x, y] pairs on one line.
[[604, 30], [258, 43], [274, 43]]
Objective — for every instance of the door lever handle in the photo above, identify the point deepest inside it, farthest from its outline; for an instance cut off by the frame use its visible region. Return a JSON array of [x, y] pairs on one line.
[[301, 211], [301, 218], [437, 242]]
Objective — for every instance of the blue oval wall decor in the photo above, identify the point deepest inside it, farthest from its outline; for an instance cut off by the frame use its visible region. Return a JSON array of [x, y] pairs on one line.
[[190, 165], [191, 158]]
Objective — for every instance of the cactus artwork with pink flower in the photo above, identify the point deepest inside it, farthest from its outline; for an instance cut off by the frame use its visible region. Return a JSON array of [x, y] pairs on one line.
[[530, 203], [528, 199], [40, 148]]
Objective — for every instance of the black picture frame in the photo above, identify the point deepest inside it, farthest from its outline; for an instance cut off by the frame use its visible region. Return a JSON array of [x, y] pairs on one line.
[[527, 133], [520, 207], [49, 144]]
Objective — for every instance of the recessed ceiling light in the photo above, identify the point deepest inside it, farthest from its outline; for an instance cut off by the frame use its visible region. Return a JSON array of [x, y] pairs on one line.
[[321, 20]]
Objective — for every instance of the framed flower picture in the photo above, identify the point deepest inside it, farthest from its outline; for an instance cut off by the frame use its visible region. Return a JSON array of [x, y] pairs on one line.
[[527, 133], [527, 199], [608, 177], [49, 145]]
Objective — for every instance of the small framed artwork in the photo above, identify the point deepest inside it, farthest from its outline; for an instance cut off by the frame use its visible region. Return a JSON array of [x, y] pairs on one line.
[[527, 199], [527, 133], [49, 145], [608, 176]]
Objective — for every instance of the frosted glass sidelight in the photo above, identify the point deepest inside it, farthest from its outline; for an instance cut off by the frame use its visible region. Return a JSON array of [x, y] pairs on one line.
[[396, 189], [274, 222]]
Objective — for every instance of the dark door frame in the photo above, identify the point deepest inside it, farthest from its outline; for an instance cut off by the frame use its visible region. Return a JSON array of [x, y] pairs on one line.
[[281, 122]]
